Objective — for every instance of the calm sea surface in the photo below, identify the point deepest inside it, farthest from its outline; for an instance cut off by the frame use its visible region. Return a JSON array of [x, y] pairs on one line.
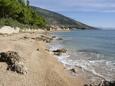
[[93, 50]]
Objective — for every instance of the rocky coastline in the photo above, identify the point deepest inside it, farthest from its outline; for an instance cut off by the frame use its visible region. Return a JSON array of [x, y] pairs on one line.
[[25, 60]]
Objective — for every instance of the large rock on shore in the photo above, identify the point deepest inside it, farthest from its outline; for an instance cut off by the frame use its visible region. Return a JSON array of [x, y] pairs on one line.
[[108, 83], [44, 38], [9, 30], [102, 83], [59, 51], [13, 61]]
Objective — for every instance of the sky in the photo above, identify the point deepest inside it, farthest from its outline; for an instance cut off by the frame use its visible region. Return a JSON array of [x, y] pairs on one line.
[[98, 13]]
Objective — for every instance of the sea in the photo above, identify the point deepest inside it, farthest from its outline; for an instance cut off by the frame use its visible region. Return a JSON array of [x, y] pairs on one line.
[[91, 50]]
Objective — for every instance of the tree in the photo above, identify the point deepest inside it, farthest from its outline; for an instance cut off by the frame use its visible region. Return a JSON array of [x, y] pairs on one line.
[[17, 10]]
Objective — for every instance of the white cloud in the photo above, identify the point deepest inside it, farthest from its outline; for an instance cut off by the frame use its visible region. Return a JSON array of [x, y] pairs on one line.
[[77, 5]]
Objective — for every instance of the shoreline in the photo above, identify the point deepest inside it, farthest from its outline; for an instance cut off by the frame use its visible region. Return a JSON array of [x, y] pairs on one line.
[[43, 68], [92, 77]]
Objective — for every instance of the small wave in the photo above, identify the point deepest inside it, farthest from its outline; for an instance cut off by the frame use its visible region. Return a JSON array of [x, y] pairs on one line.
[[89, 50], [101, 68], [55, 44], [88, 60], [55, 47]]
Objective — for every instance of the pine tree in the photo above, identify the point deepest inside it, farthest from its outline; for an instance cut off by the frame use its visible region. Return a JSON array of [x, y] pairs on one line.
[[21, 11]]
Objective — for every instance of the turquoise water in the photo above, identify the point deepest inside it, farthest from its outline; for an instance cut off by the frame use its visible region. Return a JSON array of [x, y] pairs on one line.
[[93, 50]]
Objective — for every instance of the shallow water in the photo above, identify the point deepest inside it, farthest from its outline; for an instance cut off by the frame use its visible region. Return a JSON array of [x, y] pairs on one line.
[[92, 50]]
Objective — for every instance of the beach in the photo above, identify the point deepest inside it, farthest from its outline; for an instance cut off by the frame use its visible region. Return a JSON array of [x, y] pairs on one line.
[[50, 43], [42, 68]]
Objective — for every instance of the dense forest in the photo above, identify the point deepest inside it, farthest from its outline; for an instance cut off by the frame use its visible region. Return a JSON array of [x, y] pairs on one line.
[[19, 13]]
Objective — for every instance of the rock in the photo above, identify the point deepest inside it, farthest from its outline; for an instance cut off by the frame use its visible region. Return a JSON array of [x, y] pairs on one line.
[[10, 57], [59, 51], [13, 61], [73, 70], [53, 36], [43, 38], [19, 68], [46, 38], [38, 49], [47, 50], [85, 85], [9, 30], [62, 50], [59, 39], [103, 83], [108, 83], [25, 37]]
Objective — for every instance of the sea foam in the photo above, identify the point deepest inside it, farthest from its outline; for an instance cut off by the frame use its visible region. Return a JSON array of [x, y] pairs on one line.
[[87, 61]]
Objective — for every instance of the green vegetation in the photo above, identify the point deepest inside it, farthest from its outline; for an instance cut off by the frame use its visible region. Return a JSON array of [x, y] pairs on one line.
[[17, 13], [20, 13]]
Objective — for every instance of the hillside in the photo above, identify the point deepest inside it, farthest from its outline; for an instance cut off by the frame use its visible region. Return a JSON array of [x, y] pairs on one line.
[[57, 19]]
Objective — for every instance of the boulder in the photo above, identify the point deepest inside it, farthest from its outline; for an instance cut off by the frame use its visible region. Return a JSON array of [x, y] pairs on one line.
[[37, 49], [103, 83], [59, 39], [19, 68], [108, 83], [73, 70], [43, 38], [9, 30], [59, 51], [62, 50], [53, 37], [13, 61], [10, 57]]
